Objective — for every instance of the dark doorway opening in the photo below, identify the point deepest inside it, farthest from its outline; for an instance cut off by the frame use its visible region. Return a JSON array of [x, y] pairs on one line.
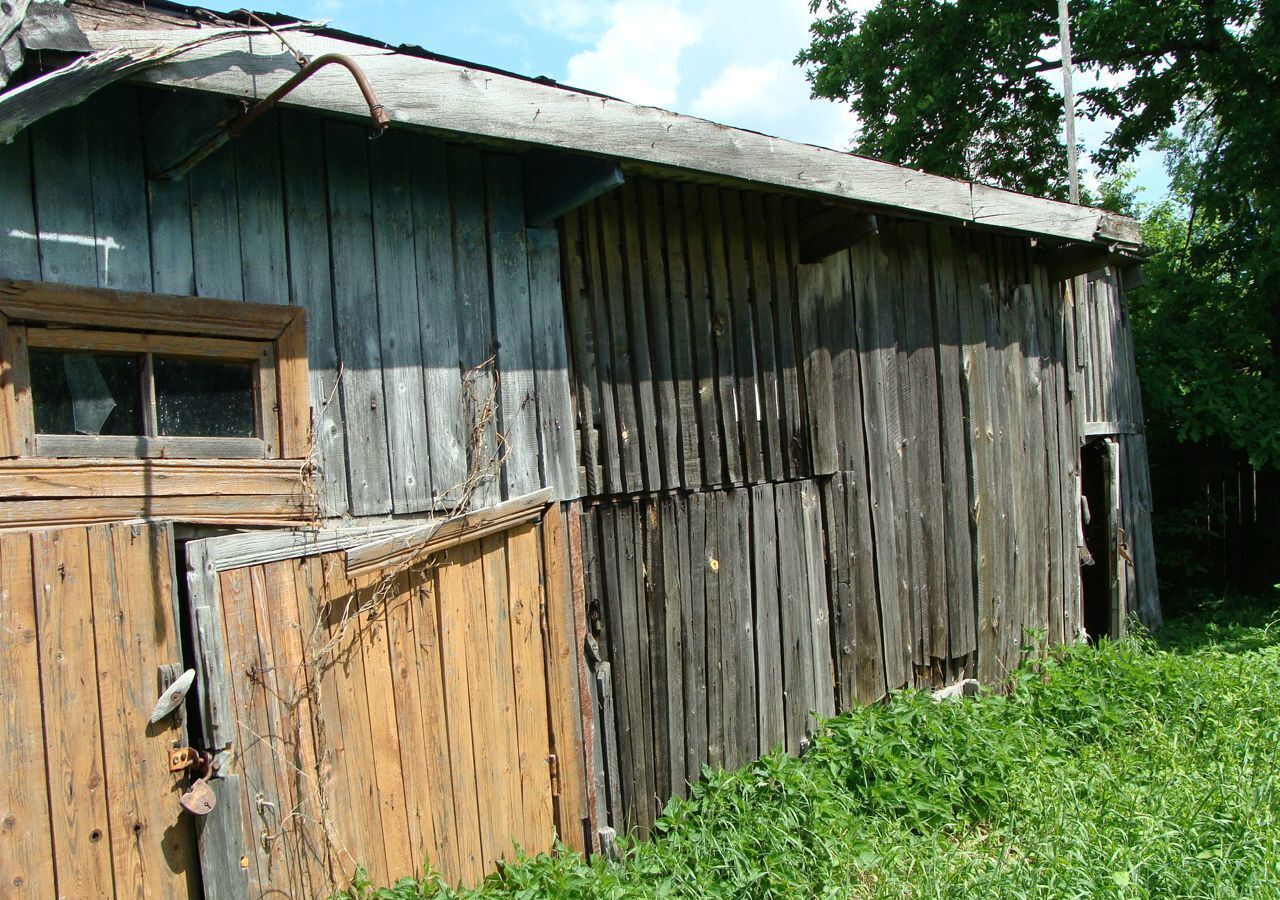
[[1096, 569]]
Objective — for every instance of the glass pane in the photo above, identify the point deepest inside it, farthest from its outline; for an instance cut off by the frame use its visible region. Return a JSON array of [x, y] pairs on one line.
[[202, 398], [86, 393]]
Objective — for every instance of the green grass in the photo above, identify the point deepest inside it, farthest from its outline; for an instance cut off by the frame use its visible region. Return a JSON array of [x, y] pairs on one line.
[[1143, 768]]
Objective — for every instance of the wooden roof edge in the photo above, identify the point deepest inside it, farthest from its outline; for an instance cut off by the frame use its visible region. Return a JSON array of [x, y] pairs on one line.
[[448, 97]]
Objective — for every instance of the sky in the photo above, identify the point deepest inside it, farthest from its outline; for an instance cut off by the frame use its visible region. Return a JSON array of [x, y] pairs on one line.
[[725, 60]]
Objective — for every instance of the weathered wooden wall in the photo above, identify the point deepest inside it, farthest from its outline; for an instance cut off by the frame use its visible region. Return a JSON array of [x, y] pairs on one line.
[[1107, 375], [87, 617], [411, 258], [422, 713], [896, 506]]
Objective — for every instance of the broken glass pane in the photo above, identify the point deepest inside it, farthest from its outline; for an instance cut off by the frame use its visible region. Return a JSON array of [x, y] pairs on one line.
[[86, 393], [203, 398]]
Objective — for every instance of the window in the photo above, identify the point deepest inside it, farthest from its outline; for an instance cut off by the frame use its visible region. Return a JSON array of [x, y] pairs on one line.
[[90, 373]]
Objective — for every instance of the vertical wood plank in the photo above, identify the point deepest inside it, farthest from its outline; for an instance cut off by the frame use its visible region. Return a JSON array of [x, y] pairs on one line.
[[797, 628], [119, 190], [73, 724], [702, 336], [438, 329], [564, 671], [458, 589], [584, 345], [629, 439], [818, 610], [658, 310], [69, 253], [215, 227], [512, 324], [684, 370], [763, 322], [533, 693], [19, 250], [930, 582], [673, 587], [654, 621], [311, 287], [134, 634], [768, 631], [559, 453], [474, 307], [877, 362], [332, 784], [736, 312], [694, 627], [253, 751], [615, 607], [501, 744], [403, 391], [955, 483], [356, 319], [640, 665], [264, 252], [721, 327], [292, 626], [712, 566], [640, 312], [345, 660], [417, 661], [815, 356], [386, 759], [781, 236], [26, 842]]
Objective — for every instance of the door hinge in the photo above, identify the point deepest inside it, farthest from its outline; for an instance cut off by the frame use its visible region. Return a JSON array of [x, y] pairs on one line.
[[553, 763]]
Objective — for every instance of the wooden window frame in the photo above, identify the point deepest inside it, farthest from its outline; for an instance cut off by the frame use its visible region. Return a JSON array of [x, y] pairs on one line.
[[48, 316], [56, 480]]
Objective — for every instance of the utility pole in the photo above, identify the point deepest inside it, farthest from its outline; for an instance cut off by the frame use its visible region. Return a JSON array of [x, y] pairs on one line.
[[1069, 101]]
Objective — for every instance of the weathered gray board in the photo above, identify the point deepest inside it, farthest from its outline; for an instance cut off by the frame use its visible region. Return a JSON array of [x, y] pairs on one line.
[[411, 258]]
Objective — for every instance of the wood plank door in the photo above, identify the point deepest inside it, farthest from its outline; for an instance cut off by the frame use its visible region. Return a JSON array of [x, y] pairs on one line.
[[424, 712], [87, 617]]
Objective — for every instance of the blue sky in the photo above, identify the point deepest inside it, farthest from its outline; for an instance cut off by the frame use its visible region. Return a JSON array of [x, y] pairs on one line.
[[725, 60]]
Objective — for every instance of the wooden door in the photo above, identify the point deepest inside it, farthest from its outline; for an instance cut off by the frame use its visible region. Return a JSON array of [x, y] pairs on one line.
[[420, 712], [87, 617]]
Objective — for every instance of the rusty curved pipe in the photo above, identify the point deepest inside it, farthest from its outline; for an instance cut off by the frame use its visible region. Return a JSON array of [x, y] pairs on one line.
[[236, 127], [376, 112]]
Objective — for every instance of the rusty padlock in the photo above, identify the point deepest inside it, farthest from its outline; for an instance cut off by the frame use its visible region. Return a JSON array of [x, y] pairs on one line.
[[200, 799]]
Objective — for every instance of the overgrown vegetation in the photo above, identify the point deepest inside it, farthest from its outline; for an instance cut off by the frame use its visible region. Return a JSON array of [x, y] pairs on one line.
[[1141, 768]]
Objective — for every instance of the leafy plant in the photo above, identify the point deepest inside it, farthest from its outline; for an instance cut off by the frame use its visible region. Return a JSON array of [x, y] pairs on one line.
[[1136, 769]]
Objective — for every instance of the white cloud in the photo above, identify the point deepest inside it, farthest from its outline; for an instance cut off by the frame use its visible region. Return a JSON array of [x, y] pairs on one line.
[[575, 19], [637, 58], [773, 97]]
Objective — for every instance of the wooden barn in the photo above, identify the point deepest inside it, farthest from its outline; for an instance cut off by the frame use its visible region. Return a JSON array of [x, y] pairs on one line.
[[495, 453]]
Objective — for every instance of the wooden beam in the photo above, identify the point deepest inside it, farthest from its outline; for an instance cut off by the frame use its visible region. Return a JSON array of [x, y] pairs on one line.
[[47, 479], [63, 304], [448, 98], [830, 229], [422, 541], [555, 183], [257, 509]]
